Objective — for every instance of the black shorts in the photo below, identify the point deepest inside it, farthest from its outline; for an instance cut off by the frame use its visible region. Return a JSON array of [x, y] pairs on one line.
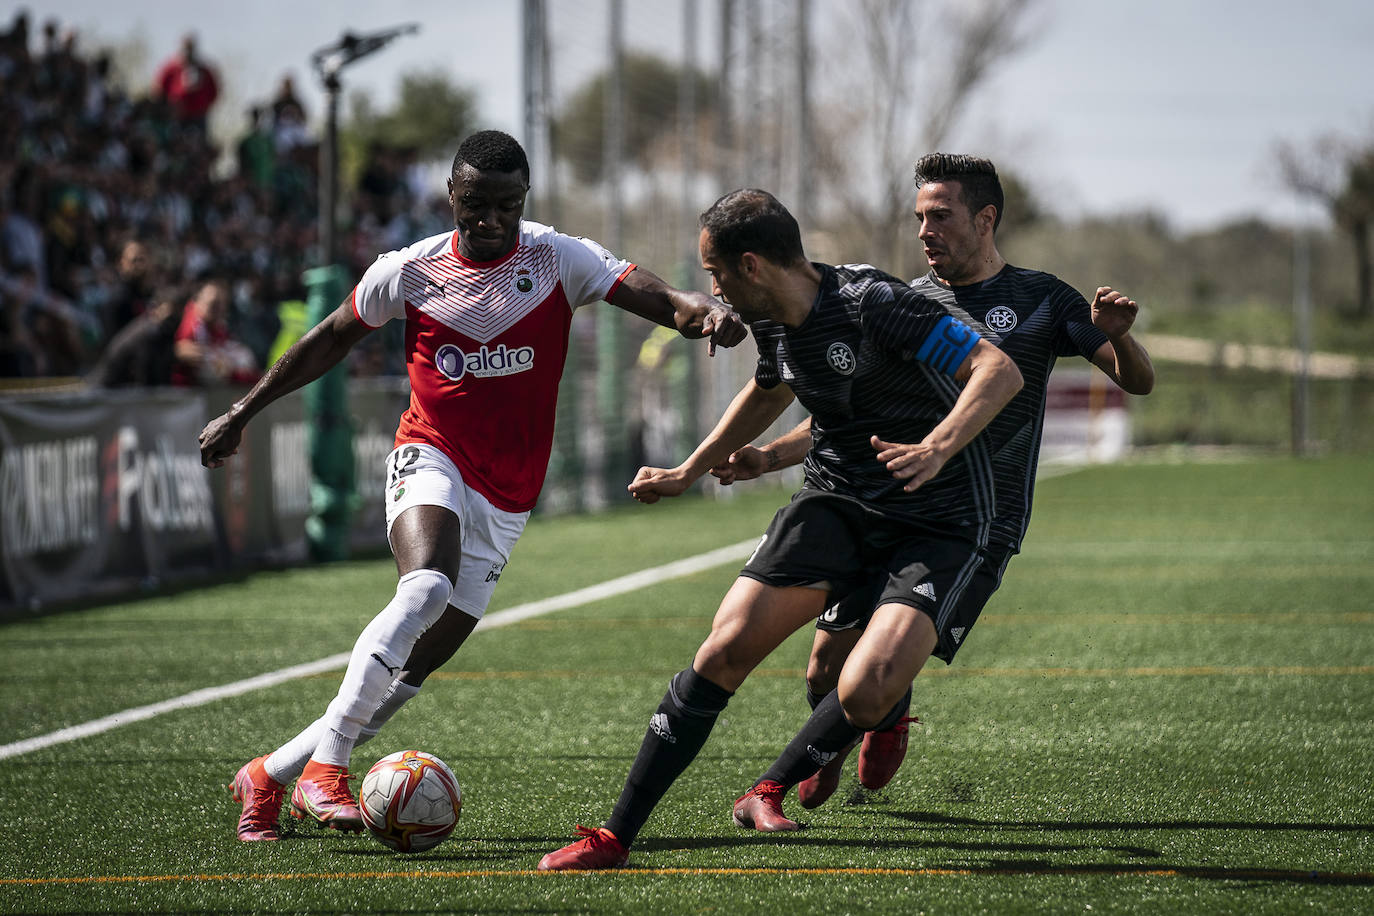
[[856, 609], [862, 556]]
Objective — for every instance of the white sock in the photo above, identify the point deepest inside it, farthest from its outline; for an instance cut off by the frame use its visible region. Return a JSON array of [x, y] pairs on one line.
[[399, 694], [380, 652], [286, 762]]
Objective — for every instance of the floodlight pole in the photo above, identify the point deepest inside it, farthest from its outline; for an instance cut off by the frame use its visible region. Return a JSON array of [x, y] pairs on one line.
[[329, 426], [329, 62]]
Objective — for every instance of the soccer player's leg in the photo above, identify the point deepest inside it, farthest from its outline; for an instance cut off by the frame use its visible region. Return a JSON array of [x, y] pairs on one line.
[[322, 791], [489, 535], [752, 621], [425, 526], [831, 730], [837, 631], [435, 647], [951, 586]]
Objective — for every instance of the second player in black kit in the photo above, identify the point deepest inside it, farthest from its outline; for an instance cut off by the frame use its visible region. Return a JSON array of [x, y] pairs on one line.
[[1034, 318]]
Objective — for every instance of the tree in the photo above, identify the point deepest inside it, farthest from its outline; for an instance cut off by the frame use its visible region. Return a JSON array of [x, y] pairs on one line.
[[431, 114], [651, 114], [1339, 172], [903, 90]]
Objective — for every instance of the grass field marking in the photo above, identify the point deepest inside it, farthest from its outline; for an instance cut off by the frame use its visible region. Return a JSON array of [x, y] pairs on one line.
[[185, 701], [608, 589], [620, 586], [1214, 873]]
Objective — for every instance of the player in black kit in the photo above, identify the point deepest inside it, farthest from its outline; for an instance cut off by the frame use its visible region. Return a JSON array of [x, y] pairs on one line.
[[898, 388], [1033, 317]]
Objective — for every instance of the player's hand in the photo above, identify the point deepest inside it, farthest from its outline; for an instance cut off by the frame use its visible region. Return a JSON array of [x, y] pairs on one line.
[[724, 326], [913, 463], [219, 440], [1113, 312], [748, 463], [652, 484]]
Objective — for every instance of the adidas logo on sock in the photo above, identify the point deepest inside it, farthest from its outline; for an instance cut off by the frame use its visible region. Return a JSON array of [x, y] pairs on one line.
[[820, 757], [658, 724]]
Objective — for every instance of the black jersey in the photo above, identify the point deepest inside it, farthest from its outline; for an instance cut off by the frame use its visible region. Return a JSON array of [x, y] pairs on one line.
[[873, 358], [1034, 317]]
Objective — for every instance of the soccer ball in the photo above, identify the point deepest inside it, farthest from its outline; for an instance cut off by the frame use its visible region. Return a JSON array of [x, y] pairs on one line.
[[410, 801]]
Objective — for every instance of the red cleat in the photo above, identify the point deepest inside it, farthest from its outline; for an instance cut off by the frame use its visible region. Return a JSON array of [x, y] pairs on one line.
[[597, 849], [261, 797], [322, 794], [882, 754], [761, 808], [813, 791]]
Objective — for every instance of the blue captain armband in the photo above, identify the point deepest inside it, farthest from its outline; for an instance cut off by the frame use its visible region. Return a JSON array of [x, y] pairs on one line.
[[947, 345]]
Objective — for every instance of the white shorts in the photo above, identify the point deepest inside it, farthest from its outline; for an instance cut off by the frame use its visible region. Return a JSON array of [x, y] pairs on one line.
[[421, 475]]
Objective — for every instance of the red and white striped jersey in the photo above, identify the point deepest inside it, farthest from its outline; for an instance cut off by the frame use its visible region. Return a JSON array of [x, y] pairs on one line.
[[485, 347]]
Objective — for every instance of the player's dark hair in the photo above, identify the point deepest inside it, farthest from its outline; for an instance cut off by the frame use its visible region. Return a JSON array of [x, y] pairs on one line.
[[978, 181], [752, 220], [493, 151]]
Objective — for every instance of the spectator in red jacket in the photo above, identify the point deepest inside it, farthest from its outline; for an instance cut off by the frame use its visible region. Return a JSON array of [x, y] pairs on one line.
[[187, 83], [206, 352]]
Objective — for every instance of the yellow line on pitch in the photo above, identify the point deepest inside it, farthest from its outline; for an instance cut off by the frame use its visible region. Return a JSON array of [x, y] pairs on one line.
[[1013, 618], [936, 872], [1142, 671]]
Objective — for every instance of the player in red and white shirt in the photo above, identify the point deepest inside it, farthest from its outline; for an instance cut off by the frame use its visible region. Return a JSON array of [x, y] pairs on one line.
[[487, 310]]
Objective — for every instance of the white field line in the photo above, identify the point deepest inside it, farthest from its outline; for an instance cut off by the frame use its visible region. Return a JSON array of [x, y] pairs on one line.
[[607, 589]]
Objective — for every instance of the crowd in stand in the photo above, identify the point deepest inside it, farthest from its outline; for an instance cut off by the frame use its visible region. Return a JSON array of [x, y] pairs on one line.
[[128, 255]]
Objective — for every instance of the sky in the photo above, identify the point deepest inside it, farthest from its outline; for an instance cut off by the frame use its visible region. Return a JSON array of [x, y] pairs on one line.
[[1172, 105]]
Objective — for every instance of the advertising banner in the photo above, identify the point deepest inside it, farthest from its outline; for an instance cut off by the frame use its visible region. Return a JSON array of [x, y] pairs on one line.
[[102, 492]]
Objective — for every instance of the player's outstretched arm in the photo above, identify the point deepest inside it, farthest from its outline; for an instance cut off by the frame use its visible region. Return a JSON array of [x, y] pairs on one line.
[[1122, 357], [693, 314], [990, 380], [748, 463], [748, 415], [318, 351]]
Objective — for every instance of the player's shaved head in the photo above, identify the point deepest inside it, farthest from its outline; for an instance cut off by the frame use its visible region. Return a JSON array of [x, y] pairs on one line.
[[492, 151]]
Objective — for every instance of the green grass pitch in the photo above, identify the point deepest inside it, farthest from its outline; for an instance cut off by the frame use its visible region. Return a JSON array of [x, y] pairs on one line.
[[1169, 707]]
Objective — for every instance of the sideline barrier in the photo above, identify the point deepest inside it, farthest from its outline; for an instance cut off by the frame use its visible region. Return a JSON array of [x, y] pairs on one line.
[[102, 492]]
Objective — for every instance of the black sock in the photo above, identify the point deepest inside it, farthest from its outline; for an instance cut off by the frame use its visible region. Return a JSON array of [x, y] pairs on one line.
[[895, 714], [676, 733], [824, 735], [813, 699]]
